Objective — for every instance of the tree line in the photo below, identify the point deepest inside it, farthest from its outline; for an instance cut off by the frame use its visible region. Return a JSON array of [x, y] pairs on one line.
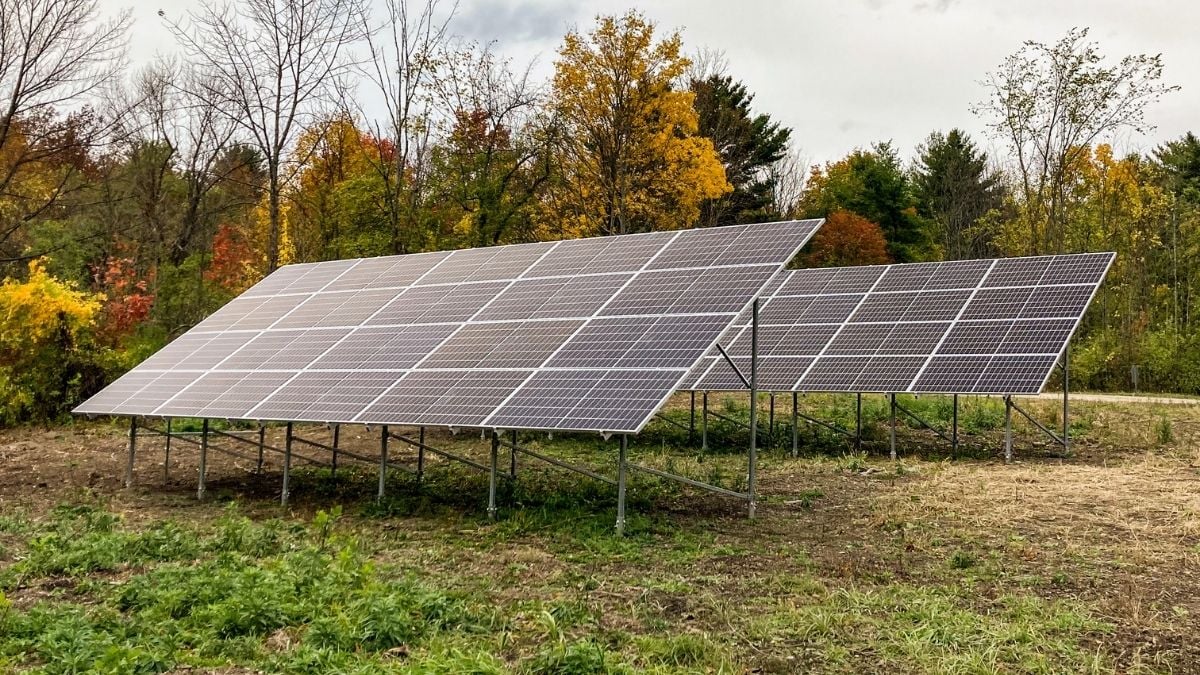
[[135, 202]]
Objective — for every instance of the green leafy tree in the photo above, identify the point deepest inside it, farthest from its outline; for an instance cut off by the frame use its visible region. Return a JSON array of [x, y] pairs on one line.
[[872, 184], [749, 145], [955, 189], [1050, 103]]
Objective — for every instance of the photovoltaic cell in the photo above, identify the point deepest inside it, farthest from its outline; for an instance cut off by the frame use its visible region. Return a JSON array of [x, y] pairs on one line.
[[972, 326], [397, 348], [474, 337]]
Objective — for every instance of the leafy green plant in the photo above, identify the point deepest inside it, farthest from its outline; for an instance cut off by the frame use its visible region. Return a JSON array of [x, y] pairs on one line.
[[962, 560], [1163, 431]]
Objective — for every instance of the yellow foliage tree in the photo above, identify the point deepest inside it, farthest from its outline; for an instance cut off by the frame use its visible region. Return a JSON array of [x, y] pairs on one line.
[[42, 322], [629, 155], [329, 153]]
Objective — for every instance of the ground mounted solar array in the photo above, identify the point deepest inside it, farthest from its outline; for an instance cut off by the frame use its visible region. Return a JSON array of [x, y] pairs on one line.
[[973, 326], [590, 334]]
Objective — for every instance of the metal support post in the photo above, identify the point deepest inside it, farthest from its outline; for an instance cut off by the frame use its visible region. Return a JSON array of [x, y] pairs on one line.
[[337, 428], [203, 458], [1066, 434], [492, 476], [858, 423], [421, 456], [167, 454], [1008, 433], [692, 418], [752, 471], [771, 422], [383, 462], [287, 465], [132, 448], [512, 471], [262, 442], [893, 428], [621, 460], [795, 424], [954, 429], [704, 422]]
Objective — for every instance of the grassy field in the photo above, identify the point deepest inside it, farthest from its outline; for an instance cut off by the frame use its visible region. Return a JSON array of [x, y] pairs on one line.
[[1084, 563]]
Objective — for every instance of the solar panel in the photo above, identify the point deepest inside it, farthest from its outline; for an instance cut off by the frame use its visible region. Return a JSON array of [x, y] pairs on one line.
[[970, 326], [479, 337]]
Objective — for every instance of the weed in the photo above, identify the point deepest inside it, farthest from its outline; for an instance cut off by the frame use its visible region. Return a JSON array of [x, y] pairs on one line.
[[809, 497], [853, 462], [689, 652], [1163, 431], [584, 657], [963, 560], [323, 522]]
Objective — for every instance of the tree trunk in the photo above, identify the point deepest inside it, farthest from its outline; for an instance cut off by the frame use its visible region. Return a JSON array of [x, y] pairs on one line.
[[273, 230]]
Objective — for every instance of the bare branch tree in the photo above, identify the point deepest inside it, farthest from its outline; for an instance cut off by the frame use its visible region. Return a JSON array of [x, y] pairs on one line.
[[789, 176], [54, 54], [403, 67], [1050, 103], [706, 62], [496, 157], [271, 66]]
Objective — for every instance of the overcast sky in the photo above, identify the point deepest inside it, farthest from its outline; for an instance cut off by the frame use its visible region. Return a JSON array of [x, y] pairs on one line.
[[845, 73]]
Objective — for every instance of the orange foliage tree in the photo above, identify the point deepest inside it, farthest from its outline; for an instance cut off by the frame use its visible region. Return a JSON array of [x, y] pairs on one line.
[[847, 239], [234, 259], [128, 298]]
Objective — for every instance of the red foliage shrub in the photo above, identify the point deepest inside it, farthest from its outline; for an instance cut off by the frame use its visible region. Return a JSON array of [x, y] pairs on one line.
[[847, 239]]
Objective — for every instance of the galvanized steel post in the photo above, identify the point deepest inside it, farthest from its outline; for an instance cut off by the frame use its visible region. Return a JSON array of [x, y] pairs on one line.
[[893, 431], [1066, 440], [287, 465], [622, 458], [858, 423], [383, 462], [954, 429], [512, 471], [262, 441], [167, 454], [337, 428], [1008, 434], [203, 458], [753, 458], [421, 456], [795, 424], [492, 476], [132, 449]]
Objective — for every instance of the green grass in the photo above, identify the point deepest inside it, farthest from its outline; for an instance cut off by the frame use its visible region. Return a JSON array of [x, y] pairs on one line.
[[906, 628], [320, 596], [833, 579]]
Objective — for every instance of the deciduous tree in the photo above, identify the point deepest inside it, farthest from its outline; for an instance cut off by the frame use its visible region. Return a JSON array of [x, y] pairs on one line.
[[847, 239], [405, 48], [1050, 103], [630, 157], [54, 55], [872, 184], [273, 67], [494, 161]]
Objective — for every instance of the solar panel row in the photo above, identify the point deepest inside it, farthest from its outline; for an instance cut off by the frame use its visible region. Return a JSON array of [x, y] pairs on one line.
[[974, 326], [605, 328]]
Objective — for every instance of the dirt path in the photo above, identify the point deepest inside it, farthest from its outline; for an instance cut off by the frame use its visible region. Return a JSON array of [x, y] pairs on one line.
[[1121, 398]]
